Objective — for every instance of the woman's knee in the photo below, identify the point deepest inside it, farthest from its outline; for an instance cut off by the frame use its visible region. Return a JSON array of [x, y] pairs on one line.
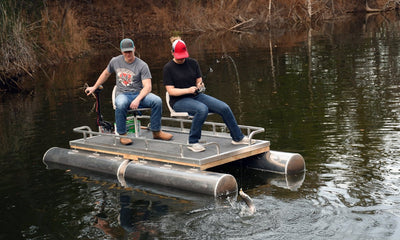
[[202, 110], [224, 109]]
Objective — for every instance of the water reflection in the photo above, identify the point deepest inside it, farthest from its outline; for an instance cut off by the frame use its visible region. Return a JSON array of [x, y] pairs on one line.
[[118, 212], [130, 217]]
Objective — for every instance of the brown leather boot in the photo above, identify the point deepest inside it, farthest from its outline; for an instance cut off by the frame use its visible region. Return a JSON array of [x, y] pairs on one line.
[[125, 141], [162, 135]]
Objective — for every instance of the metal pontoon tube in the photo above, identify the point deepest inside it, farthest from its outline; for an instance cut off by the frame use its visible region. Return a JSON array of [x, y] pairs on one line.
[[80, 159], [278, 162], [204, 182]]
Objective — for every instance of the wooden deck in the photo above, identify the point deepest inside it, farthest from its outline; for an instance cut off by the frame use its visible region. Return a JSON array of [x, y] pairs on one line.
[[219, 149]]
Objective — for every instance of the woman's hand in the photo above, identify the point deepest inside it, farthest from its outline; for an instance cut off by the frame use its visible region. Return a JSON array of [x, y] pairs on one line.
[[192, 90], [200, 85]]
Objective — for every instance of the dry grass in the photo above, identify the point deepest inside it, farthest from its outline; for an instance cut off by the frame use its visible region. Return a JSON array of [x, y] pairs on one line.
[[16, 51], [60, 36], [160, 17], [54, 37], [206, 16], [246, 15]]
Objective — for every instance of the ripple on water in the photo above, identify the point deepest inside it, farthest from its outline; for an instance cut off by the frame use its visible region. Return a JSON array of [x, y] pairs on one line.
[[283, 219]]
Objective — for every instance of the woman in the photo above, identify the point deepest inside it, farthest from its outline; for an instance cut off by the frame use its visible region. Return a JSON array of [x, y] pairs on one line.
[[184, 84]]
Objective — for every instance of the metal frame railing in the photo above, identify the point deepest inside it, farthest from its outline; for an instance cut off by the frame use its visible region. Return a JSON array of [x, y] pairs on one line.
[[251, 131], [87, 132]]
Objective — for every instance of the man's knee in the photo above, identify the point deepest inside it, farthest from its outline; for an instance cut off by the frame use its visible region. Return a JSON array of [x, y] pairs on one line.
[[121, 102], [154, 100], [121, 105], [157, 100]]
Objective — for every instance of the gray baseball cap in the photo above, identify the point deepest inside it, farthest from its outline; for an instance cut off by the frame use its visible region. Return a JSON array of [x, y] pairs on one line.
[[127, 45]]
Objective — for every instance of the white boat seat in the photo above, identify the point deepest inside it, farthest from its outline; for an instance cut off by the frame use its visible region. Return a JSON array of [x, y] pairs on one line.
[[131, 113], [172, 111]]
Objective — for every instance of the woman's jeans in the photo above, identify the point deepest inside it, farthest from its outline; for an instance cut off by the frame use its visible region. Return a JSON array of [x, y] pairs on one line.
[[122, 103], [199, 107]]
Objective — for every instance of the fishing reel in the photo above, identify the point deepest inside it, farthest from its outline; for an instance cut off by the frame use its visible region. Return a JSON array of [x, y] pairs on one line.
[[106, 127], [201, 89]]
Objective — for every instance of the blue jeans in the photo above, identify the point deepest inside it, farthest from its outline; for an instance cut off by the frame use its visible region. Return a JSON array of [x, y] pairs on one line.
[[199, 107], [122, 102]]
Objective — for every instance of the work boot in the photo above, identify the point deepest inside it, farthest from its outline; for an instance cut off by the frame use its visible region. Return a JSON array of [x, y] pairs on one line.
[[125, 141], [162, 135]]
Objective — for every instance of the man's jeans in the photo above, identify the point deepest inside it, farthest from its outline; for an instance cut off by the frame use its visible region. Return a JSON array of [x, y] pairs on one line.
[[122, 102], [199, 107]]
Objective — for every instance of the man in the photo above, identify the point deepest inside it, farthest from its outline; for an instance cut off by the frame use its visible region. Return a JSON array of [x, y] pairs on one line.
[[133, 81]]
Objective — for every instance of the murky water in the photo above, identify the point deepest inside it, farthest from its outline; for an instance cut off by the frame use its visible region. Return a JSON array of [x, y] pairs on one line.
[[332, 96]]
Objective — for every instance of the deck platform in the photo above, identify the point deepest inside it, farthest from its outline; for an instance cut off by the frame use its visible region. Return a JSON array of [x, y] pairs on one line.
[[219, 149]]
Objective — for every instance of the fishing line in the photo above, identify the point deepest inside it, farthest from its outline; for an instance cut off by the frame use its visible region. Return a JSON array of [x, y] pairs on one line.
[[241, 174], [218, 60]]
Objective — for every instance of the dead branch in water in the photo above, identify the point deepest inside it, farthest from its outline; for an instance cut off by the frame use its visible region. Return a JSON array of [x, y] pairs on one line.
[[240, 24], [369, 9], [386, 7]]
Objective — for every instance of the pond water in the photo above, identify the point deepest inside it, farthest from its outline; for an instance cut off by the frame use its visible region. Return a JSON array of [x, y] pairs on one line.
[[331, 95]]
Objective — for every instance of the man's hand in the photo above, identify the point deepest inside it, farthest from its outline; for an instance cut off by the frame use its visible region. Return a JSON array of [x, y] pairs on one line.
[[134, 104], [90, 90]]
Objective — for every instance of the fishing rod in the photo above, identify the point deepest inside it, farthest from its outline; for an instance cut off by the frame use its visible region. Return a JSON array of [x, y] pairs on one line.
[[104, 126]]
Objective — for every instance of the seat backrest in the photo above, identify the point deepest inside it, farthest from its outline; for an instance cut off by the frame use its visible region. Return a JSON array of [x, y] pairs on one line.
[[114, 91], [172, 111], [113, 95]]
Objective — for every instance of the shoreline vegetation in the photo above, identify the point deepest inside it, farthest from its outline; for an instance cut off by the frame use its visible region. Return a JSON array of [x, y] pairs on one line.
[[46, 34], [35, 34]]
